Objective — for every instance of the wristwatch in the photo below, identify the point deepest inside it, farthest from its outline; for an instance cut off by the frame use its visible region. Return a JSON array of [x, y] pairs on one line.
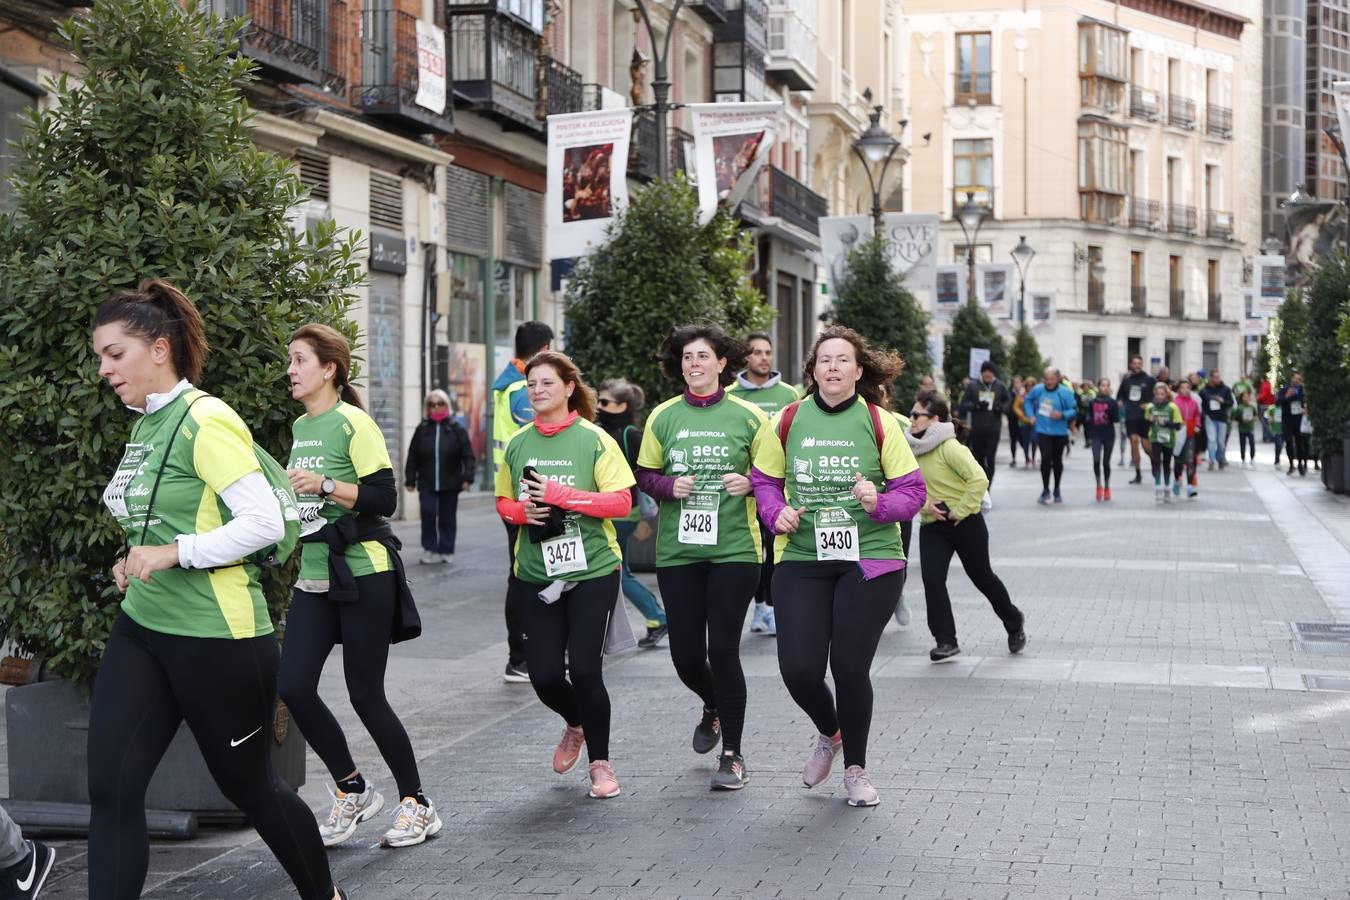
[[326, 487]]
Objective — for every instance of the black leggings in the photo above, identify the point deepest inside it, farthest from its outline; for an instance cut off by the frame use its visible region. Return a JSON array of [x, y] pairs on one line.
[[565, 649], [969, 541], [1296, 443], [1102, 445], [1247, 444], [1052, 458], [827, 612], [1013, 435], [705, 609], [984, 447], [1161, 458], [314, 625], [150, 682], [1184, 467], [764, 590]]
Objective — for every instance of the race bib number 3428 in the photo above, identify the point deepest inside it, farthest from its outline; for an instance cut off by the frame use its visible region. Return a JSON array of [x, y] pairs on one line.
[[698, 520]]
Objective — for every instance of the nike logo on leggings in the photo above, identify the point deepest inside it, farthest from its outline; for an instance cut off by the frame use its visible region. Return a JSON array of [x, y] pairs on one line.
[[26, 883], [234, 743]]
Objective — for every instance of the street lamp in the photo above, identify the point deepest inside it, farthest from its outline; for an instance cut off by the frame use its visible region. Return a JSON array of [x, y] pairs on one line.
[[876, 145], [1022, 256], [660, 82], [971, 217]]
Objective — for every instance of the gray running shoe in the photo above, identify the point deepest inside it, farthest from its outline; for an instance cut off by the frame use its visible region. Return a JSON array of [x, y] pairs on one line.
[[859, 787], [730, 774], [349, 810], [413, 824]]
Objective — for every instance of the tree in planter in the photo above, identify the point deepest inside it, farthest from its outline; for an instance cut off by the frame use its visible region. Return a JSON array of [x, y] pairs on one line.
[[971, 327], [1322, 356], [1025, 357], [1287, 333], [872, 299], [658, 268], [144, 169]]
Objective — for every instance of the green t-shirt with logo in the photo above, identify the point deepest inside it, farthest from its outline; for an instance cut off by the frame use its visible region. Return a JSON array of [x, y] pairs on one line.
[[343, 444], [212, 450], [769, 400], [710, 525], [1245, 415], [824, 452], [1164, 420], [581, 456]]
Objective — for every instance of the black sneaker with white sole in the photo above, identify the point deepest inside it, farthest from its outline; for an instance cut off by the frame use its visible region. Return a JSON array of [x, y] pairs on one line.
[[24, 879], [731, 774], [707, 732], [653, 637], [943, 652], [516, 673]]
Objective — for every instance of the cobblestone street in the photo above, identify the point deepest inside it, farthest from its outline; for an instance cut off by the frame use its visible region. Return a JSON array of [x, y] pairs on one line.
[[1165, 733]]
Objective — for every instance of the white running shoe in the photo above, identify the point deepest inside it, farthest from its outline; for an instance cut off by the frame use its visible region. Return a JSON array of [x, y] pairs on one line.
[[770, 625], [413, 824], [349, 810], [902, 614], [430, 559], [757, 618]]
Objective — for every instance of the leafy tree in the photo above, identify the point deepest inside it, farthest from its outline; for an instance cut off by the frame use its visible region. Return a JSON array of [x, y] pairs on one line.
[[872, 299], [1322, 355], [145, 168], [1288, 332], [1025, 357], [971, 327], [658, 268]]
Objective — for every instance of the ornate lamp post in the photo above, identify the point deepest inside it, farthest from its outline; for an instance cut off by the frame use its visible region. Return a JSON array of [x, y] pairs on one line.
[[660, 81], [971, 217], [1022, 255], [873, 146]]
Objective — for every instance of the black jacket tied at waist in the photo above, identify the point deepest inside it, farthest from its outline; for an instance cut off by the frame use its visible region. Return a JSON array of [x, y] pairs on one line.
[[348, 530]]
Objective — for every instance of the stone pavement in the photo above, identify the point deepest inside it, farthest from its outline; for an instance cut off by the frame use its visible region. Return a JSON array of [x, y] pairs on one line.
[[1168, 732]]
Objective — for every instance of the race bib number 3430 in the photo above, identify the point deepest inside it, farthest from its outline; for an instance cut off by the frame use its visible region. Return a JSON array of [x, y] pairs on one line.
[[836, 535]]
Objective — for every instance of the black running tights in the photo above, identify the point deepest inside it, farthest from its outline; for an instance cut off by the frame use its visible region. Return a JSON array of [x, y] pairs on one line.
[[705, 609], [148, 684], [1247, 444], [564, 647], [1052, 458], [1184, 467], [828, 613], [314, 625], [1102, 445], [1161, 458], [968, 540]]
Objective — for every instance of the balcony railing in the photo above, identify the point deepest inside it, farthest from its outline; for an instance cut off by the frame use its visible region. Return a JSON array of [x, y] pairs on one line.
[[792, 201], [642, 147], [494, 60], [792, 50], [1143, 103], [294, 41], [1218, 121], [1180, 111], [714, 12], [390, 74], [562, 88], [1215, 307], [1181, 219], [1219, 225], [1176, 303], [1138, 299], [973, 88], [1145, 213]]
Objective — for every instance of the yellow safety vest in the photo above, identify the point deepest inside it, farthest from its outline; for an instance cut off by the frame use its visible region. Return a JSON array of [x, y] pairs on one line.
[[503, 423]]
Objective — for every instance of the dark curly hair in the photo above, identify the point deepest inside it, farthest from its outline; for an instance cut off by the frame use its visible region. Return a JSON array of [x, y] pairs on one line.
[[936, 405], [671, 354], [880, 368]]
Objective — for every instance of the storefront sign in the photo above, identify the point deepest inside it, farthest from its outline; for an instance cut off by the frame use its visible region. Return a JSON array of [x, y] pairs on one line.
[[1269, 275], [587, 178], [388, 253], [731, 143]]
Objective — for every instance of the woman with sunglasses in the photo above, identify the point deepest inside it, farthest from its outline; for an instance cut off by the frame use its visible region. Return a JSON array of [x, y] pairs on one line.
[[952, 524], [833, 478], [440, 464], [695, 461]]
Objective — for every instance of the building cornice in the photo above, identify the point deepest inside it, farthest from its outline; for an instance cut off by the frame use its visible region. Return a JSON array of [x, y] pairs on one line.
[[281, 134], [1197, 15], [376, 138]]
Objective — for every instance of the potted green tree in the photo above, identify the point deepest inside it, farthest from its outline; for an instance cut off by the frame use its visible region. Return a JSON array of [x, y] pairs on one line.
[[1326, 379], [143, 168], [971, 328]]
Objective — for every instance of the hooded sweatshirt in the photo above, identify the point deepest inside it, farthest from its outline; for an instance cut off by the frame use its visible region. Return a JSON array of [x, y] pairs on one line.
[[950, 472], [770, 397]]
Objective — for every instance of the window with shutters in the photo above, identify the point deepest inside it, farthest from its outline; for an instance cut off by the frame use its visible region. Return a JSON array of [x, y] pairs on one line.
[[524, 243], [312, 167], [386, 201], [466, 211]]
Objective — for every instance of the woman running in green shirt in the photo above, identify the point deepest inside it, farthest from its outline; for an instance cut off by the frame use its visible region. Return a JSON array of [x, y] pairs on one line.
[[1246, 415], [695, 461], [1164, 433], [193, 640], [565, 479]]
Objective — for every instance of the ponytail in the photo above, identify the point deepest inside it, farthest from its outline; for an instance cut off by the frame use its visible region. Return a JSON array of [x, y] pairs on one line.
[[157, 309]]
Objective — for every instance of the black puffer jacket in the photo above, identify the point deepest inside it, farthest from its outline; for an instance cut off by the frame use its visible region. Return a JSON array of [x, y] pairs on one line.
[[440, 457]]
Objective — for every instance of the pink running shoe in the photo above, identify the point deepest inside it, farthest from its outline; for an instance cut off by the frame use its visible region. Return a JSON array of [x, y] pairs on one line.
[[859, 787], [604, 783], [569, 749], [821, 760]]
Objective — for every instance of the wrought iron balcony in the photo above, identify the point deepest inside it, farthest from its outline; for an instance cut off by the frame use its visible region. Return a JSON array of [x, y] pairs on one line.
[[1145, 213], [1138, 300], [1143, 103], [390, 74], [714, 12], [1181, 219], [1215, 307], [1219, 225], [1218, 121], [1176, 303], [776, 193], [562, 88], [294, 41], [1180, 112], [493, 59]]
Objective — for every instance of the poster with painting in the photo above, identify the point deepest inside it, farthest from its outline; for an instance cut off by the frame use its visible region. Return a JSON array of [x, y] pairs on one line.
[[731, 143], [949, 291], [587, 178]]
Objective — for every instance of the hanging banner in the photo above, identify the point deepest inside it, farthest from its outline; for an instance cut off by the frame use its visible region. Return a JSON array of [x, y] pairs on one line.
[[587, 178], [950, 290], [430, 67], [1269, 277], [1253, 322], [993, 282], [731, 142], [1041, 310], [912, 240], [839, 235]]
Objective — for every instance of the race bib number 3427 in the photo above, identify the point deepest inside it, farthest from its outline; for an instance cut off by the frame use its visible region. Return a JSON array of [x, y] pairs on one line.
[[566, 554]]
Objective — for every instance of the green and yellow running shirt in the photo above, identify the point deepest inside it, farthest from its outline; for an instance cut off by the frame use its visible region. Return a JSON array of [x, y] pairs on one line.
[[213, 450], [823, 454], [1161, 418], [1245, 415], [769, 400], [581, 456], [343, 444], [706, 442]]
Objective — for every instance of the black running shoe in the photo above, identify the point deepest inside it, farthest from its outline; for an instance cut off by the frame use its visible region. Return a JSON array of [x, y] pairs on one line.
[[654, 637], [1138, 477], [730, 774], [943, 652], [708, 732], [24, 879], [1017, 641]]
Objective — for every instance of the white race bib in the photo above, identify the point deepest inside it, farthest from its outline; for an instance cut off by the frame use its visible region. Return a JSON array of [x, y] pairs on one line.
[[115, 494], [1047, 407], [1214, 404], [836, 535], [1295, 407], [987, 399], [1136, 393], [311, 516], [565, 554], [698, 520]]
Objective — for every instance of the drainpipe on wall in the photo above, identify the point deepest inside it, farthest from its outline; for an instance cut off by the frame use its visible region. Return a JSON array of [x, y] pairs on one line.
[[490, 319]]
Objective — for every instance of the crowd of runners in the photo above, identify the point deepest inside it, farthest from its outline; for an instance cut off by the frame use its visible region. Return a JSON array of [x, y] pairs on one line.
[[792, 506]]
